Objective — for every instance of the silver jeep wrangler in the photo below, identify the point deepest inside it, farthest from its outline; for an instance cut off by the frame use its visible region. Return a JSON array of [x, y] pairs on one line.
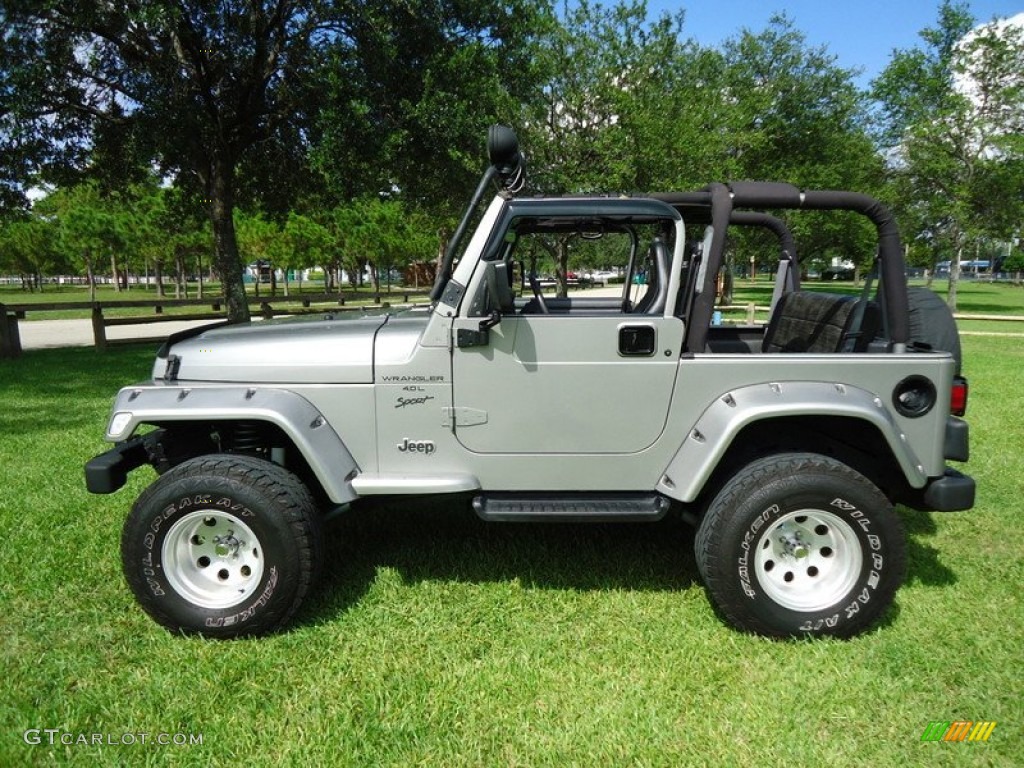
[[787, 443]]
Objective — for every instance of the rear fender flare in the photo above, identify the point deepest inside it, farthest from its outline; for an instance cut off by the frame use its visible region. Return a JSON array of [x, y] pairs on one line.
[[707, 442]]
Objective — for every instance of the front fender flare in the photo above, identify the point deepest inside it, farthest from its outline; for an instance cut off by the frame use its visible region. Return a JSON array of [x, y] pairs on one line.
[[322, 448], [716, 429]]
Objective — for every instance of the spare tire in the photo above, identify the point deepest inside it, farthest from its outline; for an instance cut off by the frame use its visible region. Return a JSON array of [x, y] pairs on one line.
[[932, 326]]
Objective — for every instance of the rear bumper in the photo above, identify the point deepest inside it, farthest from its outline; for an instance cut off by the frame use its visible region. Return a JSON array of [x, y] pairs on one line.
[[953, 492]]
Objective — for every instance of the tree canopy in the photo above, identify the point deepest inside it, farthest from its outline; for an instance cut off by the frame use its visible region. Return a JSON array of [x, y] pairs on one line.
[[951, 118], [207, 88], [347, 135]]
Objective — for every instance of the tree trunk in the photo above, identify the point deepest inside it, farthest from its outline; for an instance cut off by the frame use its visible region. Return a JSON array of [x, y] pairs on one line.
[[181, 275], [728, 288], [222, 205], [87, 258], [113, 272], [562, 269], [442, 245], [158, 271], [954, 277]]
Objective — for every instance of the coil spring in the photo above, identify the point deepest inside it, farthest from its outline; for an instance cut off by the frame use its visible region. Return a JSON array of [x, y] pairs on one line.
[[247, 436]]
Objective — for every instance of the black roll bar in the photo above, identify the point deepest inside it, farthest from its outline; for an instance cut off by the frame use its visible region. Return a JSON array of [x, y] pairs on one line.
[[774, 195]]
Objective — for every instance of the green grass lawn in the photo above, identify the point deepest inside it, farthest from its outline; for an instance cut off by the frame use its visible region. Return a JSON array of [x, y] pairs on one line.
[[439, 640]]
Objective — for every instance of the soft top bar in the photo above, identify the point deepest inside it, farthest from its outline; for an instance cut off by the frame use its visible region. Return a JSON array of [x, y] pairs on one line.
[[724, 198], [759, 194]]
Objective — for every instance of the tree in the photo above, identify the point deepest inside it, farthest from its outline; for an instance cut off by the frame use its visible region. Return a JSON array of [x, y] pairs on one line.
[[260, 243], [27, 249], [394, 95], [587, 128], [951, 117], [379, 234], [306, 244], [611, 114], [630, 105], [172, 225], [405, 106], [90, 229], [199, 83], [1015, 263], [799, 118]]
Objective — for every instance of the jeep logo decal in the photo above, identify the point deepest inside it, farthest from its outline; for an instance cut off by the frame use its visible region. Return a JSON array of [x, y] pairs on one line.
[[417, 446]]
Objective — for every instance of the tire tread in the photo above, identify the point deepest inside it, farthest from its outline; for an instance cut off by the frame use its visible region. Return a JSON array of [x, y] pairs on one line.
[[289, 497], [710, 545]]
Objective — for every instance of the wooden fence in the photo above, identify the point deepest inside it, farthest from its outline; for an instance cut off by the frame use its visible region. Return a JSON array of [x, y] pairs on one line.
[[266, 307], [10, 314]]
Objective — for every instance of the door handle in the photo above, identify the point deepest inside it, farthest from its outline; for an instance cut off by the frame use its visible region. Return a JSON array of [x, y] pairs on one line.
[[637, 340]]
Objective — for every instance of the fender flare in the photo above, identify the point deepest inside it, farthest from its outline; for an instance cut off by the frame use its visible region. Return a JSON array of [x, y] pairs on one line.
[[325, 452], [714, 432]]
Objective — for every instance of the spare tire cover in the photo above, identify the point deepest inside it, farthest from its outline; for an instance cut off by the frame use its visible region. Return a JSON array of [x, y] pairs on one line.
[[932, 326]]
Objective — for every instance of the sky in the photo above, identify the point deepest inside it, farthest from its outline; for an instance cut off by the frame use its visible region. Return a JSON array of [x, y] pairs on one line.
[[862, 34]]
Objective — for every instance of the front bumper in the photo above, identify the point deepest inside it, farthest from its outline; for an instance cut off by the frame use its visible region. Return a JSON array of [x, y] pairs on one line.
[[108, 472]]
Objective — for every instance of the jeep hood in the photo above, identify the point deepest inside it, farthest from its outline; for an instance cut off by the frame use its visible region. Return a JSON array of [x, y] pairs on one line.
[[335, 351]]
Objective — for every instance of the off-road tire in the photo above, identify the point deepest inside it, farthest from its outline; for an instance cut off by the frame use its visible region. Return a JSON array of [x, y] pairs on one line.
[[799, 544], [223, 545]]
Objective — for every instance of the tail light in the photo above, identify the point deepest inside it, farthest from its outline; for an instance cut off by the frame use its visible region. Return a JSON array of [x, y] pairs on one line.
[[958, 396]]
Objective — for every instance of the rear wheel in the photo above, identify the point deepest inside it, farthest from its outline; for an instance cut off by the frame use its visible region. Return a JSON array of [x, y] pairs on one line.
[[801, 544], [222, 545]]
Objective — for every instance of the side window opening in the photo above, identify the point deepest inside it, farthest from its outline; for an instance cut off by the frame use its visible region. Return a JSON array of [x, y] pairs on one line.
[[587, 265]]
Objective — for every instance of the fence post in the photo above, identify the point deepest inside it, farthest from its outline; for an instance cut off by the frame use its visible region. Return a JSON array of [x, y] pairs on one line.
[[10, 339], [99, 331]]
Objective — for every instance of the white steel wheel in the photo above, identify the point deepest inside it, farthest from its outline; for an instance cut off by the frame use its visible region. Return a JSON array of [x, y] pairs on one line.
[[808, 560], [212, 559]]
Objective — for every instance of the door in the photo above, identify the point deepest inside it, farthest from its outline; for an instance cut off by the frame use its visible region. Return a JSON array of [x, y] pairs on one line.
[[566, 384]]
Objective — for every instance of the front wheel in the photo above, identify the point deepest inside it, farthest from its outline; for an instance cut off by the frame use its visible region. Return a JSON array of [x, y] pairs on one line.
[[222, 546], [801, 544]]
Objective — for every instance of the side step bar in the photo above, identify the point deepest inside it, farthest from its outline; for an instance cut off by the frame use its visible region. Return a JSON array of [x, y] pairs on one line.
[[571, 507]]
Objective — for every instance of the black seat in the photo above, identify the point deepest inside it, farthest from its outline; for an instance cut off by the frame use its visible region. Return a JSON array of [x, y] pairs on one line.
[[805, 321]]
